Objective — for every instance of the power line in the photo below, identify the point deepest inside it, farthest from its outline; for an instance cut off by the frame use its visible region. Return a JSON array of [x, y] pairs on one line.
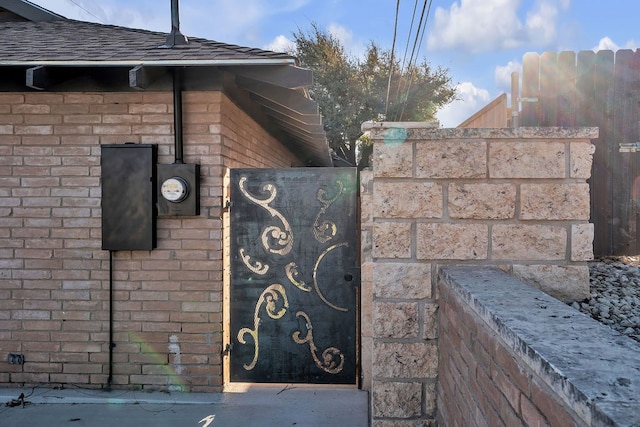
[[82, 7], [393, 48], [421, 28]]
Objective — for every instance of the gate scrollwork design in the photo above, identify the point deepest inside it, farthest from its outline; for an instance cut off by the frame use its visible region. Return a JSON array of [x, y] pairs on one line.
[[275, 240], [332, 360], [274, 308]]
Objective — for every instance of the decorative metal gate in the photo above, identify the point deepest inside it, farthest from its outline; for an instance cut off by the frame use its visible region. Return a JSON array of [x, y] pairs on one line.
[[294, 280]]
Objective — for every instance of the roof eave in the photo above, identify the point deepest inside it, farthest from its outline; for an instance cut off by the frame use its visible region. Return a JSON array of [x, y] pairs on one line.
[[149, 63]]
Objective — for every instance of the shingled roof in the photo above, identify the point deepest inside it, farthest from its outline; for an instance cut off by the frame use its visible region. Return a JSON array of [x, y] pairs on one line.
[[65, 41], [269, 80]]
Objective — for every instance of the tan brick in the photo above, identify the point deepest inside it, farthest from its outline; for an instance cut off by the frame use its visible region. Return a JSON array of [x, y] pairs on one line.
[[402, 280], [391, 240], [452, 241], [407, 200], [392, 160], [83, 98], [397, 399], [482, 201], [582, 242], [405, 360], [33, 129], [528, 242], [396, 319], [564, 282], [581, 159], [451, 159], [530, 159], [554, 201]]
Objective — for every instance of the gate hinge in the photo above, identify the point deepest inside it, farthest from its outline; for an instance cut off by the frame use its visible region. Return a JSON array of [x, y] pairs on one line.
[[227, 349], [629, 147]]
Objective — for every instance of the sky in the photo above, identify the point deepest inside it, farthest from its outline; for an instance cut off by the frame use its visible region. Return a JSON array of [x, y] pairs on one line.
[[479, 42]]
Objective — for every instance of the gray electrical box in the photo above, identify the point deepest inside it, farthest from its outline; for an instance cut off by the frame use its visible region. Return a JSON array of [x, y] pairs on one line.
[[178, 190], [128, 196]]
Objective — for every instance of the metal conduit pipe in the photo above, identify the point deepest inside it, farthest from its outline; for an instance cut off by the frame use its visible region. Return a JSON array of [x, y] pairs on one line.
[[177, 115]]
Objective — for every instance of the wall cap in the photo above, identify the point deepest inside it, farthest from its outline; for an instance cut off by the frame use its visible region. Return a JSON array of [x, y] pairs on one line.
[[592, 367], [429, 130]]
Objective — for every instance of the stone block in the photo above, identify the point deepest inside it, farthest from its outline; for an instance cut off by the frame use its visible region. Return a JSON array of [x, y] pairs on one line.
[[430, 318], [451, 159], [396, 320], [564, 282], [393, 159], [482, 201], [405, 360], [391, 240], [531, 159], [366, 197], [452, 241], [407, 200], [581, 159], [554, 201], [528, 242], [397, 399], [582, 242], [402, 280]]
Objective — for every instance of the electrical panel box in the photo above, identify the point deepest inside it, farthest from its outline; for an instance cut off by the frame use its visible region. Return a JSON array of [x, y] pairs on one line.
[[178, 190], [128, 196]]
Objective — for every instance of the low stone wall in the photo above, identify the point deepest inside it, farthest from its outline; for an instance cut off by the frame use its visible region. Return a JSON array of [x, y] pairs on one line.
[[513, 198], [510, 355]]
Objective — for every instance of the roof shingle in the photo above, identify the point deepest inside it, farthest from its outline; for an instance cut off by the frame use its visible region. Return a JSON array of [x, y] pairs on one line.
[[70, 41]]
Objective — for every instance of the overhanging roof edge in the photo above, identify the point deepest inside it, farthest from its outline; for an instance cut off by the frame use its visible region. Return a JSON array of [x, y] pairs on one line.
[[151, 63]]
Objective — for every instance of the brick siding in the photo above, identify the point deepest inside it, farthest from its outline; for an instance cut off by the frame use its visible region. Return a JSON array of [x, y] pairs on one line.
[[54, 298]]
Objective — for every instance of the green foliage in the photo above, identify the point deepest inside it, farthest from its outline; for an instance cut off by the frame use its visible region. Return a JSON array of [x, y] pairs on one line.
[[352, 91]]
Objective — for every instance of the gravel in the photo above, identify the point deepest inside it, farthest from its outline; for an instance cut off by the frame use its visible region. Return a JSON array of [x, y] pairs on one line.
[[615, 294]]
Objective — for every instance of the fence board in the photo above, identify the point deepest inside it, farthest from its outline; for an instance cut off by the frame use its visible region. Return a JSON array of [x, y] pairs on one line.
[[595, 89], [548, 98], [530, 89], [566, 114]]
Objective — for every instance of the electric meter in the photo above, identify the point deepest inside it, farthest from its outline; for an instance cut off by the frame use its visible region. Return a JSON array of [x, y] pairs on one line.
[[174, 189]]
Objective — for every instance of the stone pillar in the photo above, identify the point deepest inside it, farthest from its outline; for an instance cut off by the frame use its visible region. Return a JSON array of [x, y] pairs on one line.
[[515, 198]]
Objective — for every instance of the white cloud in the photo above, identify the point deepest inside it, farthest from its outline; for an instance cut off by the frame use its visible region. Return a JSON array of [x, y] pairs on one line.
[[469, 100], [489, 25], [344, 35], [606, 43], [502, 75], [281, 44]]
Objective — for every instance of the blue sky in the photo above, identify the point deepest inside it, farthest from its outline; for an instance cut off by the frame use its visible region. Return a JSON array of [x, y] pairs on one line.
[[479, 41]]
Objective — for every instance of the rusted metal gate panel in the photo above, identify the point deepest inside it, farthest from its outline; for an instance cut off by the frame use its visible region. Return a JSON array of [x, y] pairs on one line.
[[595, 89], [294, 282]]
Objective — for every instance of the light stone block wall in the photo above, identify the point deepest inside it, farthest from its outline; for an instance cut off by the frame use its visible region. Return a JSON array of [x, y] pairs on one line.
[[513, 198]]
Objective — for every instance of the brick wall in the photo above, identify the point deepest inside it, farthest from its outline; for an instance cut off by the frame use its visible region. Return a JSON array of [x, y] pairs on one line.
[[515, 198], [511, 355], [54, 298], [482, 381]]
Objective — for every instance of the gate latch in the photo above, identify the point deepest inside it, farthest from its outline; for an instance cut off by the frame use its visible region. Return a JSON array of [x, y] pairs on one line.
[[629, 147]]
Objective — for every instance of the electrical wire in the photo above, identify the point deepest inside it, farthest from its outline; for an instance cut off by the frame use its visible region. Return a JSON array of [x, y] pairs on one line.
[[406, 51], [393, 48], [83, 8], [419, 35]]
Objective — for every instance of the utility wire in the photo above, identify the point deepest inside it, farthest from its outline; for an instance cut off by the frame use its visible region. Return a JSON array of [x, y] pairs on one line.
[[413, 50], [406, 51], [421, 27], [393, 47], [83, 8]]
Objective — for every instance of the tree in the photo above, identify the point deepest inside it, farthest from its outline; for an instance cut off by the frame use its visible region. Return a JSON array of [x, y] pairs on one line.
[[352, 91]]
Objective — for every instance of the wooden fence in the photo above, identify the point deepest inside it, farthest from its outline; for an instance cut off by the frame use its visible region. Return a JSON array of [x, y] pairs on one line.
[[589, 89]]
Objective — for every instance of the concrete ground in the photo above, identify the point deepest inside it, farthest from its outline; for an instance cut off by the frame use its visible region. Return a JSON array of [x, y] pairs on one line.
[[244, 405]]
